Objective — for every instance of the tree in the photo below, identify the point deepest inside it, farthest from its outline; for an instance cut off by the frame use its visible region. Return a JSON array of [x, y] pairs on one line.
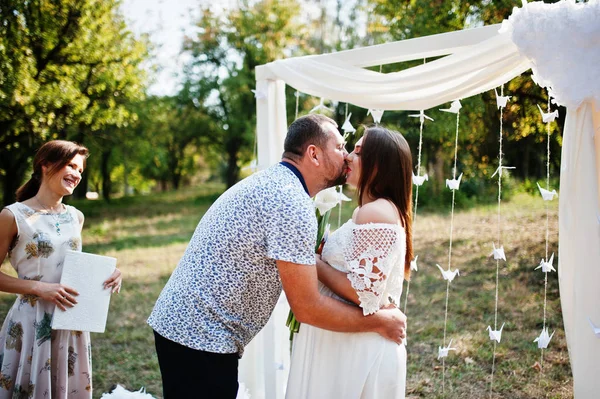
[[166, 137], [67, 68], [522, 127], [220, 76]]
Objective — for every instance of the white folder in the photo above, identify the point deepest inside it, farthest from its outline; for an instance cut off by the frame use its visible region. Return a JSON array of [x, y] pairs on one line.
[[85, 273]]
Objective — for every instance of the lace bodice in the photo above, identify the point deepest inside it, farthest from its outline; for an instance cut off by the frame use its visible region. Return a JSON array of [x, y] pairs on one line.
[[372, 255]]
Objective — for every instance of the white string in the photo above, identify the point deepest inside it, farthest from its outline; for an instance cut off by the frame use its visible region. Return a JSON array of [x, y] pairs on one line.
[[341, 186], [416, 201], [500, 154], [297, 102], [450, 251], [547, 226]]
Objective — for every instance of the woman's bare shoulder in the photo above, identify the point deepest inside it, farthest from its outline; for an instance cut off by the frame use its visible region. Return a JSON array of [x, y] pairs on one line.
[[8, 223], [378, 211]]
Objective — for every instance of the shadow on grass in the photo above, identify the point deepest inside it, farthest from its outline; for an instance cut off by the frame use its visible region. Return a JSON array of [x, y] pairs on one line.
[[155, 204], [125, 353], [133, 242]]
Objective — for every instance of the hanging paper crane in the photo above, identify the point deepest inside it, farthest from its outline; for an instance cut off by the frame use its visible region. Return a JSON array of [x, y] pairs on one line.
[[501, 100], [546, 194], [454, 107], [443, 352], [548, 116], [498, 253], [495, 335], [413, 264], [421, 115], [453, 184], [449, 274], [320, 107], [419, 180], [544, 339], [347, 126], [547, 266], [376, 114]]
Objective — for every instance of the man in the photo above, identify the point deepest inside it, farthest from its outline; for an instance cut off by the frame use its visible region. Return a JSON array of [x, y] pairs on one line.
[[257, 237]]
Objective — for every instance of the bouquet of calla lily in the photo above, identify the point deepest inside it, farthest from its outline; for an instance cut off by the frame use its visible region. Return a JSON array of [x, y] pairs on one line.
[[325, 201]]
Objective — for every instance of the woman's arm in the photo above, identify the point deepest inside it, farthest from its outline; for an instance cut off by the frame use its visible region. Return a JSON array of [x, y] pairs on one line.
[[366, 255], [58, 294], [380, 211], [336, 281]]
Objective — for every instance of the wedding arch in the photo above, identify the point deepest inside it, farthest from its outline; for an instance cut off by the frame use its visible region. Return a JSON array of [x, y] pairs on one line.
[[559, 43]]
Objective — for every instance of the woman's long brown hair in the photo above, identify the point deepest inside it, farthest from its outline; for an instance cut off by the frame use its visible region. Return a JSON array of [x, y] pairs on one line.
[[55, 155], [386, 164]]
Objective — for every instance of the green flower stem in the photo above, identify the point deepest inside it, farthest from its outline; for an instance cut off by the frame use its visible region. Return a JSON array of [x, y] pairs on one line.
[[322, 221]]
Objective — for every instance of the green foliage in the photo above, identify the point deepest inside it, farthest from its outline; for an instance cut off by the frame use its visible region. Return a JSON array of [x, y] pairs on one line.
[[66, 69], [220, 76], [525, 137], [167, 137]]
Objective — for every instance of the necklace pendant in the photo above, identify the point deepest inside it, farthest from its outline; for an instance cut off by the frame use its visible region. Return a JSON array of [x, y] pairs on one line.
[[57, 228]]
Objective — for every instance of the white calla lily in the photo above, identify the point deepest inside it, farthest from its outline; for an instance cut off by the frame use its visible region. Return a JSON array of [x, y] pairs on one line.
[[327, 199]]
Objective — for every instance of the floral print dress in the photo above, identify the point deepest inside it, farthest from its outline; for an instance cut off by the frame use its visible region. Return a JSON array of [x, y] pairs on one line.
[[36, 361]]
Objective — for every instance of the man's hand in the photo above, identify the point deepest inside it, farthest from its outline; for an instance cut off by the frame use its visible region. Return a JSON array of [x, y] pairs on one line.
[[393, 323]]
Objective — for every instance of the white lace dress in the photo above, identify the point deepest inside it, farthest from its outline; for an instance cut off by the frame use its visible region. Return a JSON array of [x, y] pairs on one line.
[[327, 364]]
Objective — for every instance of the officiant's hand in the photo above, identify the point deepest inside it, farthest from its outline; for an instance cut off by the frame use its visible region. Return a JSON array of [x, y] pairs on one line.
[[60, 295], [393, 325], [114, 282]]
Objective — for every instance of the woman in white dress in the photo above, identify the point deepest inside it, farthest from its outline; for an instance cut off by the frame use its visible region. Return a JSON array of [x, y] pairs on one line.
[[364, 262]]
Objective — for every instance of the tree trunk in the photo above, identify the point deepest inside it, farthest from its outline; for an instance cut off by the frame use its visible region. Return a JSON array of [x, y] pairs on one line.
[[176, 180], [232, 174], [438, 170], [81, 189], [9, 188], [526, 158], [105, 170], [15, 163]]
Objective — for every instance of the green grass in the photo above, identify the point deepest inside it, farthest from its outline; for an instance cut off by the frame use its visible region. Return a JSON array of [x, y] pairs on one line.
[[148, 235]]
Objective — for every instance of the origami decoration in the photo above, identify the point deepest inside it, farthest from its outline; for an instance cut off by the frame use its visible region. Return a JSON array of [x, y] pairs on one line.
[[543, 340], [594, 328], [448, 274], [413, 264], [320, 107], [546, 266], [495, 335], [547, 195], [376, 114], [419, 180], [500, 168], [454, 183], [501, 100], [347, 126], [498, 252], [443, 352], [421, 115], [259, 94], [548, 116], [454, 107]]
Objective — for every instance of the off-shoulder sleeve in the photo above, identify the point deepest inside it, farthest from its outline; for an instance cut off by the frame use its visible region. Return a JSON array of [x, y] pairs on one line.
[[370, 260]]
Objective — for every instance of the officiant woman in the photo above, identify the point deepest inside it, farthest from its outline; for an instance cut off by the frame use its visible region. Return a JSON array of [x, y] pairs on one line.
[[35, 233]]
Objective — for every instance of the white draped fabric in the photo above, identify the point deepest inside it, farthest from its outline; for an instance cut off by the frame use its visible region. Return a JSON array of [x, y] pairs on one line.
[[559, 42], [579, 246]]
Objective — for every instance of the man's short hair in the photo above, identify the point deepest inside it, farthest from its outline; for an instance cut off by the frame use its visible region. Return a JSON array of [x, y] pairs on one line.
[[305, 131]]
